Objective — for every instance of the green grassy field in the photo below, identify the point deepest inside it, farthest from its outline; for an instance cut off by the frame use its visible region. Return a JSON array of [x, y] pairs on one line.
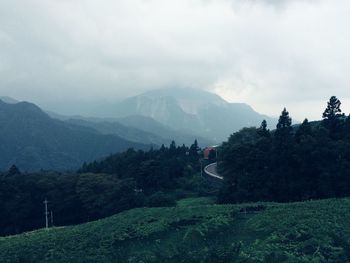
[[197, 230]]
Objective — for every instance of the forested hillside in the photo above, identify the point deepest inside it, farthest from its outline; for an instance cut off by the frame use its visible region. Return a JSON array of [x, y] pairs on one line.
[[308, 161], [32, 140], [101, 188]]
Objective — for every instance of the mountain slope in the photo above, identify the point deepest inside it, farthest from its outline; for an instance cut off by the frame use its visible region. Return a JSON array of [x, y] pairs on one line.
[[32, 140], [142, 130], [126, 132], [193, 111], [197, 231], [8, 100], [152, 126]]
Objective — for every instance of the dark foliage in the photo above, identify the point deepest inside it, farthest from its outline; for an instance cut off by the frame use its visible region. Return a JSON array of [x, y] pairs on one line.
[[120, 182], [304, 162], [160, 199], [155, 170]]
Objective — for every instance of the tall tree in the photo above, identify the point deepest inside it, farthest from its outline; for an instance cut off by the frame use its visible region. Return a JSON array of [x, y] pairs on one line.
[[284, 129], [282, 155], [263, 131], [332, 117], [284, 121], [333, 111]]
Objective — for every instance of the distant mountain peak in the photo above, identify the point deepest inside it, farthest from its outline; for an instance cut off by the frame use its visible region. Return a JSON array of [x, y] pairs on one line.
[[181, 93], [192, 110], [24, 108], [190, 100]]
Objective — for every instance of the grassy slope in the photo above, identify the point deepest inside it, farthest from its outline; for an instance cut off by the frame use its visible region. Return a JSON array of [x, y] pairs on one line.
[[196, 231]]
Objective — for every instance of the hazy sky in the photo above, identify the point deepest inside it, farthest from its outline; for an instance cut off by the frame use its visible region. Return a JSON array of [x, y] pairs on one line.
[[269, 54]]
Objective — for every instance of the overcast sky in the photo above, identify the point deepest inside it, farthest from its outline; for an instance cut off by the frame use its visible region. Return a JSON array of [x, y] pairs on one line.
[[269, 54]]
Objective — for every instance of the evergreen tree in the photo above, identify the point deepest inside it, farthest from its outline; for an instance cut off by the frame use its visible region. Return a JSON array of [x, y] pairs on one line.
[[284, 129], [282, 156], [333, 111], [263, 131], [284, 121], [332, 117]]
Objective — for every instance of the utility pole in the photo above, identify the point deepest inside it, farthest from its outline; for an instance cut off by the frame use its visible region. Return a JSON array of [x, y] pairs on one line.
[[200, 160], [46, 215], [51, 217]]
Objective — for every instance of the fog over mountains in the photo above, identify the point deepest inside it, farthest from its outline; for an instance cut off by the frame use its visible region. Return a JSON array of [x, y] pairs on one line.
[[34, 139], [191, 110]]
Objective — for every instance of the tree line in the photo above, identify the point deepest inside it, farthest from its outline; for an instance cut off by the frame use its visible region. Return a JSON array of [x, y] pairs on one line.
[[290, 163], [157, 177]]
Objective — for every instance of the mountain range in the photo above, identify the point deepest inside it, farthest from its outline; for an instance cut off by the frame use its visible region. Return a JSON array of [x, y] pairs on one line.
[[32, 140], [36, 139]]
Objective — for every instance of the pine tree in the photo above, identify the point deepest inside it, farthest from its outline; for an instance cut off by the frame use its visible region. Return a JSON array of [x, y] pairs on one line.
[[284, 129], [333, 111], [332, 117], [263, 131], [284, 121], [282, 156]]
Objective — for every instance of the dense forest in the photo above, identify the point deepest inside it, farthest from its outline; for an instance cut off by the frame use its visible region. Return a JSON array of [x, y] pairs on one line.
[[120, 182], [290, 163]]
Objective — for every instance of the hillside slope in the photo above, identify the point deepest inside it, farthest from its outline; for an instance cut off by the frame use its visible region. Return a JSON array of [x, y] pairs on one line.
[[140, 129], [150, 125], [197, 231], [32, 140]]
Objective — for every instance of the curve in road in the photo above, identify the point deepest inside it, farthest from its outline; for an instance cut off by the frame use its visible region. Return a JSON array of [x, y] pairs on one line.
[[211, 171]]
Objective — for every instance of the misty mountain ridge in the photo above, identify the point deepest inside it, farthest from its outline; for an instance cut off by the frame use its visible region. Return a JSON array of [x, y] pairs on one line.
[[180, 114], [191, 110], [139, 129], [8, 100], [152, 126], [135, 128], [31, 139], [150, 131]]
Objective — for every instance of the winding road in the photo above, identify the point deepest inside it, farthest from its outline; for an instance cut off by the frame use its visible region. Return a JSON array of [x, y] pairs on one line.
[[211, 171]]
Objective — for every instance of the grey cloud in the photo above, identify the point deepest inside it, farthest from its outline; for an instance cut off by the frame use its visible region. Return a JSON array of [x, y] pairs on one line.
[[66, 55]]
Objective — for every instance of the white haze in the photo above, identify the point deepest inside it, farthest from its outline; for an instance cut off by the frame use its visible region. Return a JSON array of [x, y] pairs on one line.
[[68, 55]]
